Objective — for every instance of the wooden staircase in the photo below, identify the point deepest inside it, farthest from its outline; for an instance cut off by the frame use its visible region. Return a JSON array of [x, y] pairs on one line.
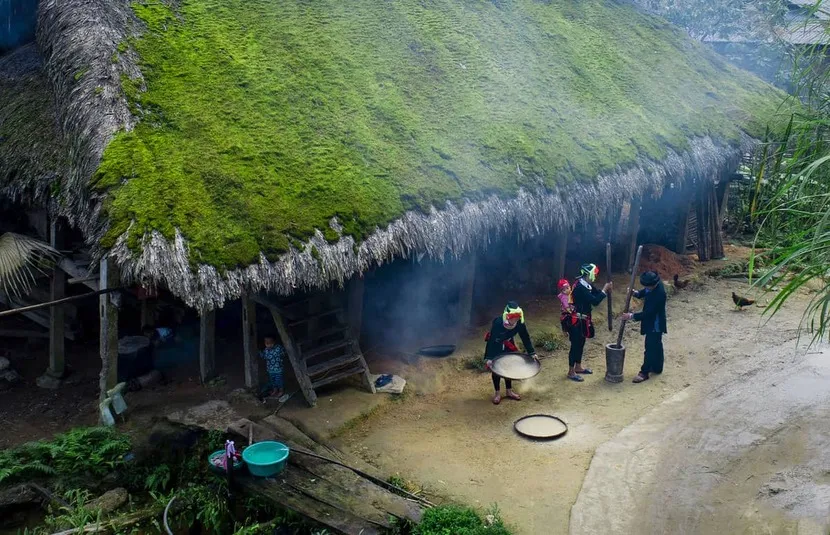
[[319, 341]]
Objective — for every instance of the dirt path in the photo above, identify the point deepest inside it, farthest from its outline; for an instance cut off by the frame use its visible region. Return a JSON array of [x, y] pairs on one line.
[[746, 452], [453, 440]]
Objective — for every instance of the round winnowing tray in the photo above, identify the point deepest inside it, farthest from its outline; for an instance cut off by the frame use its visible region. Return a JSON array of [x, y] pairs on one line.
[[541, 427], [515, 366]]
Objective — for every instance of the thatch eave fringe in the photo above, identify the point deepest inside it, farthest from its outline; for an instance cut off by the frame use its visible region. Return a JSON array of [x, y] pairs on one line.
[[79, 41], [456, 230]]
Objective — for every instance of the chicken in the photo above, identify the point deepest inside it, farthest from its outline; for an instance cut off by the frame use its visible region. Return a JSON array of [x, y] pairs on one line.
[[679, 284], [741, 302]]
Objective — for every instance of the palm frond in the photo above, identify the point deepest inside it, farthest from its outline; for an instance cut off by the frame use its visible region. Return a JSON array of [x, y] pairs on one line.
[[22, 259]]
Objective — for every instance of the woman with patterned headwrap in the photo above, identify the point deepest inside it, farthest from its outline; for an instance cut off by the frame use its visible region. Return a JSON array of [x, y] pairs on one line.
[[500, 340], [585, 297]]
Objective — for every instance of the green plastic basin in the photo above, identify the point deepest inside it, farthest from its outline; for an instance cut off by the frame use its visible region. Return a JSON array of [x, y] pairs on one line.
[[265, 459]]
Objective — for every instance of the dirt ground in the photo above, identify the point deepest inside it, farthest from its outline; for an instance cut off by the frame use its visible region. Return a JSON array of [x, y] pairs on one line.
[[447, 435], [452, 439]]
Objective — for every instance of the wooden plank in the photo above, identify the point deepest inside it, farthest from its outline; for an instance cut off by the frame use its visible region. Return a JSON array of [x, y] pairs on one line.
[[108, 338], [207, 345], [21, 333], [466, 292], [354, 370], [271, 304], [315, 317], [57, 319], [633, 229], [76, 272], [332, 364], [337, 329], [249, 342], [297, 363], [334, 518], [354, 305], [363, 491], [317, 351]]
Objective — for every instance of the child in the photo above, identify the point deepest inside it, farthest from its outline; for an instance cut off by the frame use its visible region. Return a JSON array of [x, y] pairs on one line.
[[566, 302], [273, 355]]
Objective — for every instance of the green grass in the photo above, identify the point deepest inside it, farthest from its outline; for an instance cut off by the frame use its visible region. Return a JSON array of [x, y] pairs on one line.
[[263, 119]]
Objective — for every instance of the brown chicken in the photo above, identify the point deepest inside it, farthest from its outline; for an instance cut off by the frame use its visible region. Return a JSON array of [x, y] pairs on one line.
[[679, 284], [741, 302]]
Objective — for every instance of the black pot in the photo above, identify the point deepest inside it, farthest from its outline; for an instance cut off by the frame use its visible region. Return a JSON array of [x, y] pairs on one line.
[[437, 351]]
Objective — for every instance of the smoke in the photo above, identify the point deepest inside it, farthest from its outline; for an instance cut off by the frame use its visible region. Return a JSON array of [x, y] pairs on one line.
[[18, 19]]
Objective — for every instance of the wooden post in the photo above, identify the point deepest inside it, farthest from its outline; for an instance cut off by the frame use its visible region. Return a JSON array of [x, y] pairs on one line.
[[146, 312], [716, 220], [723, 200], [466, 293], [683, 227], [249, 342], [207, 345], [108, 339], [354, 305], [633, 229], [57, 320], [560, 252]]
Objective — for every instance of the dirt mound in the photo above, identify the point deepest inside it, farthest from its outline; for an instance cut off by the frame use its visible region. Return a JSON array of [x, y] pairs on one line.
[[666, 263]]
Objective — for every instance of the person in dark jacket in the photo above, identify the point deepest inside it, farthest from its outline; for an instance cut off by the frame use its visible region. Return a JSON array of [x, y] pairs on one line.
[[652, 323], [585, 298], [500, 340]]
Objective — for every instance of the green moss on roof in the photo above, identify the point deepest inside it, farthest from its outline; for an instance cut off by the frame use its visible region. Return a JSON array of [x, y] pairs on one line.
[[263, 119]]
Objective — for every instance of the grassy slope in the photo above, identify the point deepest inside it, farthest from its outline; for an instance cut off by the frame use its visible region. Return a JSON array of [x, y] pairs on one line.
[[265, 118]]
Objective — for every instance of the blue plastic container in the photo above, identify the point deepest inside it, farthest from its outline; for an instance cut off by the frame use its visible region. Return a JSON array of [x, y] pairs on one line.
[[265, 459], [218, 454]]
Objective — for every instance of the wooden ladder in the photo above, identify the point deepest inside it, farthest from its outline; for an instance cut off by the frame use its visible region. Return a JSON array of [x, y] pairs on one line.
[[319, 342]]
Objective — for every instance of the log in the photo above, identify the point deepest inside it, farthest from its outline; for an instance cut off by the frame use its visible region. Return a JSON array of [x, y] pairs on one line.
[[319, 485], [57, 291], [115, 524], [249, 342]]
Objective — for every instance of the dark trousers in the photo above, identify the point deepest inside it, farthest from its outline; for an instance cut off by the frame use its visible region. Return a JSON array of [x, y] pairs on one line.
[[508, 384], [577, 337], [653, 356]]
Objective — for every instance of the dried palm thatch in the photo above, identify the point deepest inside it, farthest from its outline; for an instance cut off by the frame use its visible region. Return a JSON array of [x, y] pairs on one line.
[[90, 55], [32, 153], [22, 259]]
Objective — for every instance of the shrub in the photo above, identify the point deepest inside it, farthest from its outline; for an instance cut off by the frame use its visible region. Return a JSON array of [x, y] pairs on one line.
[[456, 520], [85, 451]]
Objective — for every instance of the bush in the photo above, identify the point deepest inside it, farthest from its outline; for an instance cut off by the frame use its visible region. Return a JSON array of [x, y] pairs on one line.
[[455, 520], [548, 340], [81, 452]]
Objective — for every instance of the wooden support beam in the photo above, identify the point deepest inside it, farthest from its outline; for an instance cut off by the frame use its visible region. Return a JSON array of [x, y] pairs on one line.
[[108, 337], [715, 221], [297, 363], [467, 289], [207, 345], [249, 342], [723, 201], [20, 333], [79, 274], [633, 230], [57, 319], [560, 252], [683, 223], [354, 306]]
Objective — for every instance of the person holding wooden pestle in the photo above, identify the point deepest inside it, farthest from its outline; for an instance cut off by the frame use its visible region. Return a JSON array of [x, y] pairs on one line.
[[652, 323], [585, 297]]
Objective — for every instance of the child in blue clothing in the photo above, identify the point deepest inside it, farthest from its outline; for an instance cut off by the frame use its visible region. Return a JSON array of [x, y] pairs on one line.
[[274, 355]]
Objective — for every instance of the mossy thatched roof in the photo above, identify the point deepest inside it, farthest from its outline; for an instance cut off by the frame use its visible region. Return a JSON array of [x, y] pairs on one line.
[[33, 156], [271, 144]]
